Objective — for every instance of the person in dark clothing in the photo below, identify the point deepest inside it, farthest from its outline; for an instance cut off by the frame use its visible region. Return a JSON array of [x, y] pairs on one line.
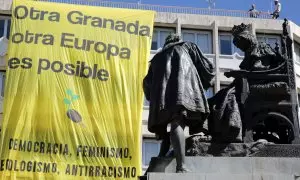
[[175, 86]]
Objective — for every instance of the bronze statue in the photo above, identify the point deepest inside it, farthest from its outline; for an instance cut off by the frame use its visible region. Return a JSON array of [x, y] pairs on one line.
[[258, 109], [234, 116], [265, 80], [258, 55], [286, 41], [175, 86]]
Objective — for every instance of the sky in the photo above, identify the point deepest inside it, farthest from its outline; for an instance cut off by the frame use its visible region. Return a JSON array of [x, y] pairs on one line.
[[290, 8]]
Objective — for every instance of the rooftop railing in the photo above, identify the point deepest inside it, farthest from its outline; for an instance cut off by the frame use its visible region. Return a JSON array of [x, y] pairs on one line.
[[159, 8]]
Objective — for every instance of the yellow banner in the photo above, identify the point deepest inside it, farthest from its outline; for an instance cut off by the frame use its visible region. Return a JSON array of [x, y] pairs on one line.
[[73, 95]]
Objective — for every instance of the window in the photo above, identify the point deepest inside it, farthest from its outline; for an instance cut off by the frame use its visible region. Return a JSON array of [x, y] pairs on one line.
[[8, 28], [209, 92], [159, 36], [269, 39], [163, 35], [150, 149], [154, 44], [2, 24], [5, 27], [203, 39], [226, 45], [223, 86], [146, 102], [297, 52], [2, 83], [189, 37]]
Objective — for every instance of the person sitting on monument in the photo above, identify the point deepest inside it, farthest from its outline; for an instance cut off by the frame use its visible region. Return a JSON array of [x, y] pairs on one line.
[[277, 9], [175, 86]]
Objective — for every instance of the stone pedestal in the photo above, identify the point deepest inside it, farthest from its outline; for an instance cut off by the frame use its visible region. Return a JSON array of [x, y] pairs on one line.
[[231, 165], [198, 176], [256, 149], [217, 168]]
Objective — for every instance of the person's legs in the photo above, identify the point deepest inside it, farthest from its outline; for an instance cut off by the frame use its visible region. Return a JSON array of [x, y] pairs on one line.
[[275, 15], [178, 142], [165, 145]]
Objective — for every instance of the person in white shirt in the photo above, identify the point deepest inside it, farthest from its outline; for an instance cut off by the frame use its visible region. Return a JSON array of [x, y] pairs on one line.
[[277, 9]]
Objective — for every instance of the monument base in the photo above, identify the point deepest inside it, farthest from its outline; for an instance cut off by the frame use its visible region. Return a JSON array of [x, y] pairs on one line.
[[211, 168], [197, 176], [269, 162], [255, 149], [230, 165]]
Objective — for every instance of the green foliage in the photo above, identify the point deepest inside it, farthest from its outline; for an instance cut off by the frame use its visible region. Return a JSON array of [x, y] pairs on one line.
[[73, 97], [69, 92], [67, 101]]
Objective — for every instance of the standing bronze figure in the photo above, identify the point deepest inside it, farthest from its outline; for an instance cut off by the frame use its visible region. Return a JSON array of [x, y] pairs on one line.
[[175, 86]]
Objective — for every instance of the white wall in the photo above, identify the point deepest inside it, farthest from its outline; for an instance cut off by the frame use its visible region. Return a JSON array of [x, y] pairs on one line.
[[5, 6], [224, 23]]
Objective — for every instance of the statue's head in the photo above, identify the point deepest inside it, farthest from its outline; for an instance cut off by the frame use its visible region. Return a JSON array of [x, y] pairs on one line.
[[172, 38], [243, 38]]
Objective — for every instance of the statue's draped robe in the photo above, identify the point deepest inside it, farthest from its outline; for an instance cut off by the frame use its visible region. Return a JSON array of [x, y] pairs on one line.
[[176, 81], [225, 123]]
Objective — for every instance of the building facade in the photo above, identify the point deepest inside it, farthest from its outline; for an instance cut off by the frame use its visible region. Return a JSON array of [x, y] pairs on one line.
[[209, 29]]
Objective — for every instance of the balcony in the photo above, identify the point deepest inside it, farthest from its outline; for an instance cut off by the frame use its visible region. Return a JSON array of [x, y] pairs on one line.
[[170, 9]]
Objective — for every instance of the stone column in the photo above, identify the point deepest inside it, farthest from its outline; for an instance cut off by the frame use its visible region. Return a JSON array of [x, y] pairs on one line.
[[215, 42], [5, 6], [253, 29], [5, 28], [178, 26]]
